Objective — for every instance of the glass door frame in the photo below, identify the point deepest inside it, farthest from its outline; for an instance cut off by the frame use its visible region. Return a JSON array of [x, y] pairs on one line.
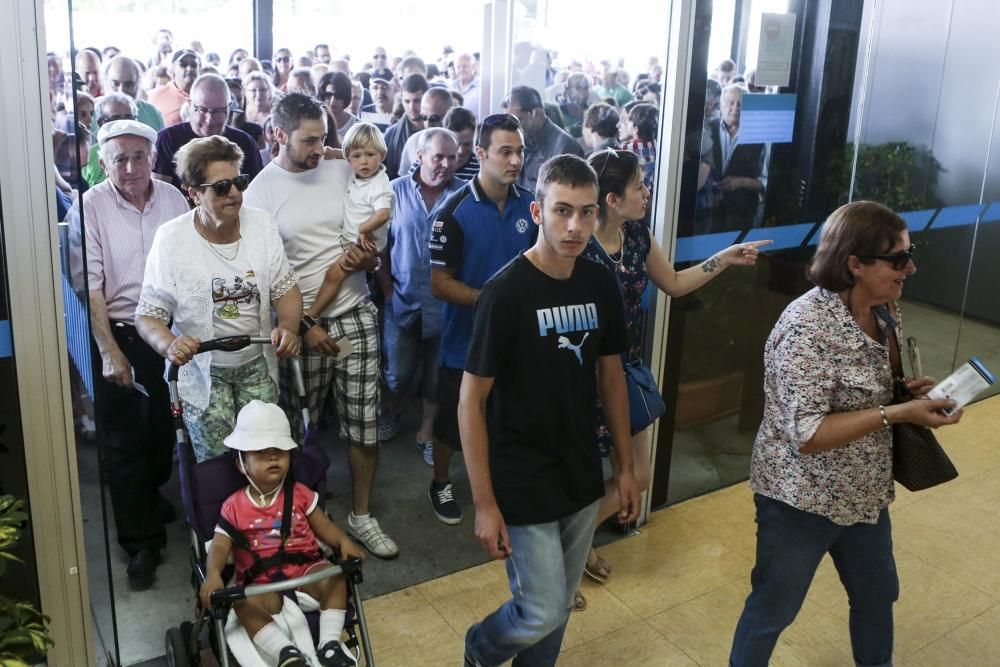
[[666, 204], [39, 333]]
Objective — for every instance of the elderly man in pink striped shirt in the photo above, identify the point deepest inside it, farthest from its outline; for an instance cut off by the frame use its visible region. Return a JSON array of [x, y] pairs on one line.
[[121, 216]]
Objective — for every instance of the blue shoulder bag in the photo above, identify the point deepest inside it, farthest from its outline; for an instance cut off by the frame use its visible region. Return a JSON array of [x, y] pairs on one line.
[[645, 402]]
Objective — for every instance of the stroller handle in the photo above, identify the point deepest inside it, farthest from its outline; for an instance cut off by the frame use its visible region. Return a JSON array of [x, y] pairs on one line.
[[227, 596], [227, 344]]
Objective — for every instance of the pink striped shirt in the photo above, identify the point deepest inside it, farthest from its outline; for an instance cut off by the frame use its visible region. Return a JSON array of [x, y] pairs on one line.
[[119, 237]]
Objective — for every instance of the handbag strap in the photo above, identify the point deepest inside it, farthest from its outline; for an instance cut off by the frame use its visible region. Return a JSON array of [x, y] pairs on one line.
[[896, 364], [618, 281]]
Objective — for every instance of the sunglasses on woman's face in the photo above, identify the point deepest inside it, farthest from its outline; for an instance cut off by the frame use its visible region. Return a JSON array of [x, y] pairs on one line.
[[221, 188], [898, 260]]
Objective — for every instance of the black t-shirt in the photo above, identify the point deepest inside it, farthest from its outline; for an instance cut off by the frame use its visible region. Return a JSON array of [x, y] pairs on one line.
[[540, 339], [171, 139]]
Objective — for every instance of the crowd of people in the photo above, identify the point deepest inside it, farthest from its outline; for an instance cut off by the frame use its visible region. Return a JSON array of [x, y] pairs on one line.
[[404, 243]]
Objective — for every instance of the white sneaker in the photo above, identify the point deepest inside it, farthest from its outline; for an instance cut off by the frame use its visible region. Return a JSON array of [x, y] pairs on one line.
[[370, 534]]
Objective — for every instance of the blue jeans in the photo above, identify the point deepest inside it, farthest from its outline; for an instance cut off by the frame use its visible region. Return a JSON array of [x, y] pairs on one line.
[[544, 571], [407, 352], [790, 545]]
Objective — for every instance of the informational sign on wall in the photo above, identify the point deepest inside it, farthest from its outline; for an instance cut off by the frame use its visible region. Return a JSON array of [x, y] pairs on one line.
[[767, 119], [774, 55]]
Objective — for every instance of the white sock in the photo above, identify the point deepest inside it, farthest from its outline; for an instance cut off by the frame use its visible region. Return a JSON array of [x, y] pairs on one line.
[[270, 639], [331, 624], [361, 517]]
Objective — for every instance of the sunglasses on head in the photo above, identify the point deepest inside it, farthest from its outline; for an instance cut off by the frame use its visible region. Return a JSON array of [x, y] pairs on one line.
[[221, 188], [898, 260], [608, 154], [500, 119]]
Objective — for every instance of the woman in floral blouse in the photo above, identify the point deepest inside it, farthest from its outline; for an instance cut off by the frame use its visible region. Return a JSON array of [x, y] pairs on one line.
[[821, 469]]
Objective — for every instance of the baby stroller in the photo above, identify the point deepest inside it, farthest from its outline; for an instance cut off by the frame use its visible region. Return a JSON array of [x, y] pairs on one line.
[[204, 488]]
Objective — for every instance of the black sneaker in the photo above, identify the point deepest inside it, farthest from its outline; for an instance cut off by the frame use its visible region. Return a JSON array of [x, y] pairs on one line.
[[291, 657], [335, 654], [443, 503]]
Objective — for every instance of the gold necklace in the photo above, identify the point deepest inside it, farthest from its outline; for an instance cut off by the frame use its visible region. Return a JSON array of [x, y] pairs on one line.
[[201, 231]]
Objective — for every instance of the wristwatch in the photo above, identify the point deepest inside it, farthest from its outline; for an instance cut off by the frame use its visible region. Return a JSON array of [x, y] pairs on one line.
[[306, 323], [378, 263]]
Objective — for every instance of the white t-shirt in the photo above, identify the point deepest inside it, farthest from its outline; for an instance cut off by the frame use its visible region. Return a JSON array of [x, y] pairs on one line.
[[309, 211], [342, 131], [364, 197], [235, 301]]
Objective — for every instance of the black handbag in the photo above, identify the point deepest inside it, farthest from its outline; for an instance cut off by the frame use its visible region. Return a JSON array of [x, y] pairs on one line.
[[918, 460]]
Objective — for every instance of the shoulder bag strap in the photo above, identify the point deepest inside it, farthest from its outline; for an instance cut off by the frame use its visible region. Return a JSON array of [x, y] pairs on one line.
[[618, 281]]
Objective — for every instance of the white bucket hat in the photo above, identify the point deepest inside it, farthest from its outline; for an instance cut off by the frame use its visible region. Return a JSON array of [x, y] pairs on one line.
[[259, 426]]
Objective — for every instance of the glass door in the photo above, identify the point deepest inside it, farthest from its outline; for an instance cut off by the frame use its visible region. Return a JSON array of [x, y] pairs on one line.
[[72, 111]]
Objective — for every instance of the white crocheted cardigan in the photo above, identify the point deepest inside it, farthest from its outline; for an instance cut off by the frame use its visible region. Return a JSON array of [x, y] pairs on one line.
[[178, 284]]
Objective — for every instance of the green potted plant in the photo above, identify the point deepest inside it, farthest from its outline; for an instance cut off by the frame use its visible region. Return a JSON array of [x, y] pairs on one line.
[[23, 632], [901, 175]]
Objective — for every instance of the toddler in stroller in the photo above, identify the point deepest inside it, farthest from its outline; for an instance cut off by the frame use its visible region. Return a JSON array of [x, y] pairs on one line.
[[271, 527]]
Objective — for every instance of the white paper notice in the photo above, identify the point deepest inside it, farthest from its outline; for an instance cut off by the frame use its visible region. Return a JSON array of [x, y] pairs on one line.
[[774, 55]]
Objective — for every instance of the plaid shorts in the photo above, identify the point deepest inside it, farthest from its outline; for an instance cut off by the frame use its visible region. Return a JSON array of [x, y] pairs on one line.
[[354, 380]]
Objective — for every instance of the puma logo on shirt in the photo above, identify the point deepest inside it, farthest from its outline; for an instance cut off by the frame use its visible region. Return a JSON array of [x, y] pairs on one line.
[[567, 319], [564, 344]]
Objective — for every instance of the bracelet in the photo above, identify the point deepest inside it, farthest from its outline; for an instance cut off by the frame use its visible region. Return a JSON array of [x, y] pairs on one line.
[[885, 420]]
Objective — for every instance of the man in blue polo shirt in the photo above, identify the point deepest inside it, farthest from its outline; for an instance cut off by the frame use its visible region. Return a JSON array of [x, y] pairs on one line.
[[481, 228], [412, 330]]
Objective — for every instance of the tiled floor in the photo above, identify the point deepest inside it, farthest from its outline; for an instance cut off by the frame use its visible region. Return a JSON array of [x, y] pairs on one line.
[[679, 586]]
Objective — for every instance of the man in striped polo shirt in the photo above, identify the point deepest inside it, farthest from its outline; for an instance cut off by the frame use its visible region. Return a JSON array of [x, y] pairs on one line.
[[121, 216]]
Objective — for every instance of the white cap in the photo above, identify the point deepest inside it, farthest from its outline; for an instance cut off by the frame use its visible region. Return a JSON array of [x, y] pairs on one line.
[[259, 426], [117, 128]]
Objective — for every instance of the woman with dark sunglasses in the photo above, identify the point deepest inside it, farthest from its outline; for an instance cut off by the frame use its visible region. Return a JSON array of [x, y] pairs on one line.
[[622, 243], [283, 65], [821, 469], [216, 271]]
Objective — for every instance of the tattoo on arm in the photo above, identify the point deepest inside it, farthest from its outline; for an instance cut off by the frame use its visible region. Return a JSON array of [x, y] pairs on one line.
[[711, 264]]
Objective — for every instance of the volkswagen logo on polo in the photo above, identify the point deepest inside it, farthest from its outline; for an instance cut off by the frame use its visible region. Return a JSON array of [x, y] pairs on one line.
[[521, 225]]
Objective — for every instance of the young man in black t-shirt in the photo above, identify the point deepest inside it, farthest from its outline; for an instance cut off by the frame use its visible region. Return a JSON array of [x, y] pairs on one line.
[[548, 334]]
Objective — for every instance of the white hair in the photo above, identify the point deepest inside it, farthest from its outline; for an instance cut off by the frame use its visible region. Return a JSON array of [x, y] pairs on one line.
[[104, 101]]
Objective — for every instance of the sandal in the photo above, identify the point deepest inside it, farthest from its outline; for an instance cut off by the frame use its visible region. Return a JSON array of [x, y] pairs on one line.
[[579, 602], [597, 568]]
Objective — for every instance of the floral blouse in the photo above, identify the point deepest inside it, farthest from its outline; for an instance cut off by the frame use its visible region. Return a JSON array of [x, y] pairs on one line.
[[817, 362], [632, 276]]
